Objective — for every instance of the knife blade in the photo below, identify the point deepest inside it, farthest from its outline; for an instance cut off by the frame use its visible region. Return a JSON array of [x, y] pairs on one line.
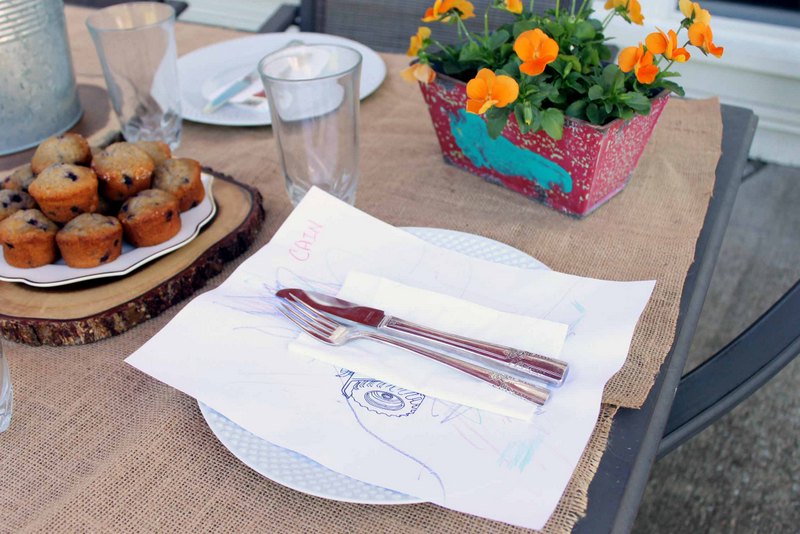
[[549, 370], [234, 89], [239, 85]]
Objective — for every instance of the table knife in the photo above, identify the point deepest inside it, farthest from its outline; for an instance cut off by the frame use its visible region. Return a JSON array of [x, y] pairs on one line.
[[239, 85], [234, 89], [546, 369]]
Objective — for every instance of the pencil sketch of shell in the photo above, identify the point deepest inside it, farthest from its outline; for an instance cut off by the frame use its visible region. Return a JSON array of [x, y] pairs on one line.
[[380, 397]]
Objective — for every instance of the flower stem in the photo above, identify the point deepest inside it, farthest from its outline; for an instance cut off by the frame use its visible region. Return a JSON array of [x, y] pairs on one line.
[[583, 5], [464, 29], [444, 49], [558, 6], [486, 24], [572, 9], [608, 18], [531, 7]]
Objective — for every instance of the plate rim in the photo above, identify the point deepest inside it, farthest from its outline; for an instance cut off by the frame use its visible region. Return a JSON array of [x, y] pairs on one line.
[[206, 410], [207, 183], [289, 36]]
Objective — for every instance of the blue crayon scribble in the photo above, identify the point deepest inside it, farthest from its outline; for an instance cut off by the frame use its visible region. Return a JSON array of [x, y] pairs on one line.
[[518, 454], [473, 139]]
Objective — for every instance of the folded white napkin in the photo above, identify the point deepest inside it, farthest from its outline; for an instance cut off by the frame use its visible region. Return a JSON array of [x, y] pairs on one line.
[[417, 373]]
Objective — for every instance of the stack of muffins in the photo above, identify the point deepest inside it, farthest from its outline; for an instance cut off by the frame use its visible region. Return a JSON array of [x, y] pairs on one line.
[[78, 205]]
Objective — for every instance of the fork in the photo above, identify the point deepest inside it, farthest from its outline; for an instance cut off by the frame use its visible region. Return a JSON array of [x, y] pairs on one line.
[[332, 332]]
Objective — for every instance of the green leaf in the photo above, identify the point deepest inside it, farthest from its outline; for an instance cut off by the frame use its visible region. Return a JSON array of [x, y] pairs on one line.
[[453, 67], [619, 81], [595, 92], [672, 86], [497, 39], [605, 53], [609, 74], [571, 60], [470, 52], [593, 114], [577, 109], [523, 26], [590, 56], [553, 122], [636, 101], [558, 65], [555, 29], [585, 30], [512, 67], [496, 119], [557, 97]]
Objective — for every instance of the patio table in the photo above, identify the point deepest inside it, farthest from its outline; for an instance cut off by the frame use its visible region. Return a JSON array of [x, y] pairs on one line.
[[97, 446]]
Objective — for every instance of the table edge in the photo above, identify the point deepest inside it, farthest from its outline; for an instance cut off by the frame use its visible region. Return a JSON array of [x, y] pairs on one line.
[[635, 435]]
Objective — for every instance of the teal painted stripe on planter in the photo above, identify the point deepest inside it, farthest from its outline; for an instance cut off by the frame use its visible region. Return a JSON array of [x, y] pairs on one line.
[[501, 155]]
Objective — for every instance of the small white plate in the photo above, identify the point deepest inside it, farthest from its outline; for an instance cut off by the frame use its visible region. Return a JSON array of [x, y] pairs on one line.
[[300, 472], [59, 273], [204, 72]]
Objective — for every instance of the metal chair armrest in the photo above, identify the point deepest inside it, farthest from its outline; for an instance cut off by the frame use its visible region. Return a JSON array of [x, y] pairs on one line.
[[179, 7], [735, 372], [285, 16]]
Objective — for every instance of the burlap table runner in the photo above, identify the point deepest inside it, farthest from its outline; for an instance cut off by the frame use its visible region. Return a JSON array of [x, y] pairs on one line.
[[97, 446]]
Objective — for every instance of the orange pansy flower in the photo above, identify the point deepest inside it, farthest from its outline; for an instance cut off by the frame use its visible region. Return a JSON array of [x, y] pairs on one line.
[[417, 40], [441, 8], [536, 50], [634, 58], [667, 44], [515, 6], [700, 36], [418, 72], [486, 90], [632, 7], [692, 10]]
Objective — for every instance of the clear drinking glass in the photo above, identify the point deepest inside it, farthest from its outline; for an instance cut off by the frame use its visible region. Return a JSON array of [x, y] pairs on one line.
[[6, 393], [314, 99], [136, 46]]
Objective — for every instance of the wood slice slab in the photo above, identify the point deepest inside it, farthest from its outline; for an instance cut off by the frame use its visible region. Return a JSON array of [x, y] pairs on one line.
[[90, 311]]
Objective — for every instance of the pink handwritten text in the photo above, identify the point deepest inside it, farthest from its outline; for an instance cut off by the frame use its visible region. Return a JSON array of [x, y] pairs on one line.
[[301, 249]]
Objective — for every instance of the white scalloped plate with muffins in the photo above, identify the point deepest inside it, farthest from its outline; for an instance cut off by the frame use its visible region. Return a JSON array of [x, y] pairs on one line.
[[59, 274]]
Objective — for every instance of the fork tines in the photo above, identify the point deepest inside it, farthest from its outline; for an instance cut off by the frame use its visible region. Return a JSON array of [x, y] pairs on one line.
[[306, 323]]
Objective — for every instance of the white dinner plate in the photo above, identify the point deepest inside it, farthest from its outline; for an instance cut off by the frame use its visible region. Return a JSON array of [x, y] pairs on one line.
[[59, 273], [301, 473], [205, 72]]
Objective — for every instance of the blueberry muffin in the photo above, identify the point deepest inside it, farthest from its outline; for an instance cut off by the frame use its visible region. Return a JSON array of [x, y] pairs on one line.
[[107, 207], [13, 201], [29, 239], [64, 191], [123, 169], [90, 240], [157, 150], [151, 217], [181, 177], [67, 148], [19, 180]]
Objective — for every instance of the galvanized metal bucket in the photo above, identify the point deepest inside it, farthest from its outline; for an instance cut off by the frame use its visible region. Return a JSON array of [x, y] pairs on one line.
[[38, 97]]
